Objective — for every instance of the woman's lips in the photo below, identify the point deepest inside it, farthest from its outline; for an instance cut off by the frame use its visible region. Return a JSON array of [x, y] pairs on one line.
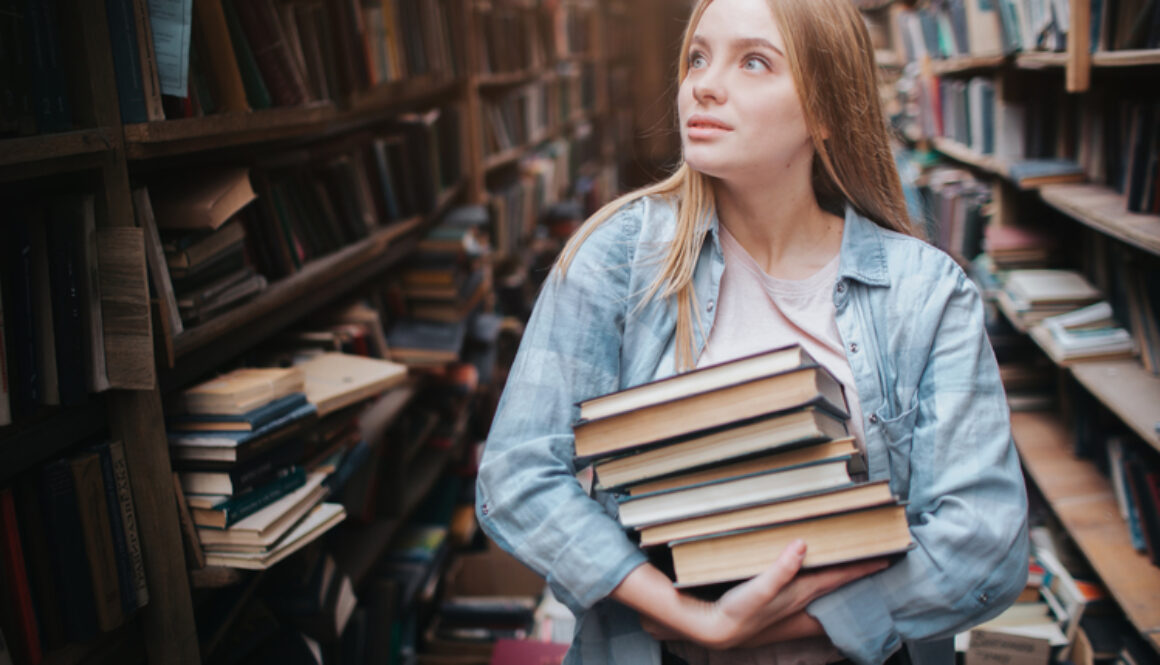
[[704, 127]]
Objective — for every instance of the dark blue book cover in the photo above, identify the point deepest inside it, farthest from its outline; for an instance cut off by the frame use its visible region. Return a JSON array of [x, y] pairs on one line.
[[255, 419], [64, 228], [21, 320], [126, 60], [234, 439], [69, 560], [49, 82]]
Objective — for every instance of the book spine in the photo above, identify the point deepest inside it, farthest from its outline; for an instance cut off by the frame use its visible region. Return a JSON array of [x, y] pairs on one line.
[[126, 60], [47, 74], [33, 541], [97, 535], [98, 375], [147, 61], [210, 18], [5, 391], [21, 321], [263, 31], [129, 520], [66, 549], [65, 277], [251, 502], [117, 531], [17, 591], [124, 285]]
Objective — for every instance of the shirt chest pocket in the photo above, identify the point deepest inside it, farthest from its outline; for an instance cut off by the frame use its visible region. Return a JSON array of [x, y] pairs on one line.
[[897, 434]]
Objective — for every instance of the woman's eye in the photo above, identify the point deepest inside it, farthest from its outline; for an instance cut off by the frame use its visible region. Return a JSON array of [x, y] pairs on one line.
[[755, 64], [697, 60]]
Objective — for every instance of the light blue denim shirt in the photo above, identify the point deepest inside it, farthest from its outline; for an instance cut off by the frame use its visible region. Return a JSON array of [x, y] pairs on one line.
[[936, 423]]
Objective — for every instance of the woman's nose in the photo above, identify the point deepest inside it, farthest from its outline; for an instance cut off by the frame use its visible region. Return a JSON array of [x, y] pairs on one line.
[[709, 88]]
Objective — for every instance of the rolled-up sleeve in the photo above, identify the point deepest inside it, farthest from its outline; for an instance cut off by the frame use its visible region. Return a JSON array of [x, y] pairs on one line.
[[967, 505], [527, 497]]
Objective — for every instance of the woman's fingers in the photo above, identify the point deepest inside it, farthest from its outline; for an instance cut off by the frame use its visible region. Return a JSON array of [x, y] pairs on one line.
[[782, 570]]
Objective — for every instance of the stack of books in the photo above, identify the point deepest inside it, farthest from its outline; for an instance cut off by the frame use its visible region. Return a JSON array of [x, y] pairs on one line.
[[727, 464], [235, 443], [204, 243], [442, 287], [1084, 334], [1031, 295]]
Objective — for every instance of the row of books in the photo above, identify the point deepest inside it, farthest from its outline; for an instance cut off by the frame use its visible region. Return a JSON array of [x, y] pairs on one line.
[[513, 39], [726, 465], [70, 555], [58, 276], [33, 76], [255, 54], [957, 28]]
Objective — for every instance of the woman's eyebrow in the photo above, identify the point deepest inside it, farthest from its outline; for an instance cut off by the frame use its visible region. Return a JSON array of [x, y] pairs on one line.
[[741, 43]]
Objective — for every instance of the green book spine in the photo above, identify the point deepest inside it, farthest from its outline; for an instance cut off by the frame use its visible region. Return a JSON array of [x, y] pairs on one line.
[[256, 92]]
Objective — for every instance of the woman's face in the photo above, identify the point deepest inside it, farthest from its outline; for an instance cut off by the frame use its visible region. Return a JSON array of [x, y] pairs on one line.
[[739, 110]]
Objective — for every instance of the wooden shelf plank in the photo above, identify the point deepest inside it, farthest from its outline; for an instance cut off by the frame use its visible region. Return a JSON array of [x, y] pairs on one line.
[[496, 160], [1131, 58], [967, 64], [1128, 390], [175, 137], [962, 153], [1083, 501], [1041, 60], [24, 445], [53, 146], [394, 94], [1102, 208], [498, 79]]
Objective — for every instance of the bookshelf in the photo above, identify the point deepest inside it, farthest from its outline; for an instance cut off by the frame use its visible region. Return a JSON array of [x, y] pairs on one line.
[[109, 158], [1082, 499], [1005, 112]]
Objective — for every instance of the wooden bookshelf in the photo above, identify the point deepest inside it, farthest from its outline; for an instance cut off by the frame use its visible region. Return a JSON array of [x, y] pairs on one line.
[[1040, 60], [121, 645], [1102, 208], [1084, 502], [965, 64], [503, 79], [1128, 390], [26, 444], [167, 138], [289, 299], [1130, 58], [48, 147], [961, 153]]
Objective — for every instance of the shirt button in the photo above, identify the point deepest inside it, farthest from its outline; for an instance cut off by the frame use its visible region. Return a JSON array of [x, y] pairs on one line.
[[983, 597], [873, 421], [853, 347], [710, 305], [841, 288]]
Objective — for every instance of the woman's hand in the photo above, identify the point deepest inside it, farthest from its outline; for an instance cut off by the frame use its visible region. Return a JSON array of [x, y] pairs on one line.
[[746, 614]]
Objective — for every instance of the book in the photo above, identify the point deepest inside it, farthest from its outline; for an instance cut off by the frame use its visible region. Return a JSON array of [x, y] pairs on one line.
[[237, 439], [240, 422], [227, 449], [732, 493], [780, 430], [69, 562], [202, 201], [695, 412], [97, 538], [334, 381], [320, 519], [241, 390], [17, 597], [842, 538], [265, 527], [120, 467], [805, 507], [1028, 173], [187, 250], [1032, 287], [122, 559], [126, 317], [224, 514], [700, 380], [421, 343], [845, 448], [159, 276]]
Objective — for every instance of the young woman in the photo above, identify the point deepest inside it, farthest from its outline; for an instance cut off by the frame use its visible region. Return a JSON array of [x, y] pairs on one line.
[[784, 223]]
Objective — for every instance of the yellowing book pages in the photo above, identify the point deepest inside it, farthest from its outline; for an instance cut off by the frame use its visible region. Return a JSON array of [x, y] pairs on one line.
[[242, 390], [731, 493], [202, 202], [817, 452], [699, 380], [1046, 286], [266, 526], [703, 411], [806, 507], [321, 519], [337, 380], [841, 538], [786, 430]]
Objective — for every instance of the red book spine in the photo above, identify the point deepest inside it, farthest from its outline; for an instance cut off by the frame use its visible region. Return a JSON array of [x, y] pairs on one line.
[[19, 598]]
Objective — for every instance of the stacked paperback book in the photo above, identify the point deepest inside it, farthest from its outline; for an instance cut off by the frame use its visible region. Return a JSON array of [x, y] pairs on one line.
[[726, 465], [234, 444]]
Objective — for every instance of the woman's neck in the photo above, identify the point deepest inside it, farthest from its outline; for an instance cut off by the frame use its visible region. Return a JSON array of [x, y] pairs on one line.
[[782, 228]]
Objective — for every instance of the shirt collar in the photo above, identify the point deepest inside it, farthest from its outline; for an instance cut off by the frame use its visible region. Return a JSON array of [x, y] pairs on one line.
[[863, 253]]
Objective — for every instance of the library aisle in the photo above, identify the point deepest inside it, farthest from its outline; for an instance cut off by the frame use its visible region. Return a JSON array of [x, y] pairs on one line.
[[265, 264]]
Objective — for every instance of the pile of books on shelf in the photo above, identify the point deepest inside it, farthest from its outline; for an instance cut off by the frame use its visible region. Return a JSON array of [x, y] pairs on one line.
[[444, 291], [70, 553], [726, 465], [257, 451]]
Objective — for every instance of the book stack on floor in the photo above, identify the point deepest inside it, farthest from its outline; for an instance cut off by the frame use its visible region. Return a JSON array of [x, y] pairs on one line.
[[442, 289], [726, 465], [235, 443]]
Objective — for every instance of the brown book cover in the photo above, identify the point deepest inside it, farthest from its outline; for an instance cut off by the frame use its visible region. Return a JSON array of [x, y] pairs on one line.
[[280, 72], [337, 380], [125, 311], [98, 538], [202, 200], [241, 390]]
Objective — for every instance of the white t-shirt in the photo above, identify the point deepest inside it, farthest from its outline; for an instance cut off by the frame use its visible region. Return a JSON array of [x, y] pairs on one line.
[[756, 312]]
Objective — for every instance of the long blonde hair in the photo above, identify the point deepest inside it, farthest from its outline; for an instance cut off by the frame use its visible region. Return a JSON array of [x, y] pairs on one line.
[[832, 62]]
